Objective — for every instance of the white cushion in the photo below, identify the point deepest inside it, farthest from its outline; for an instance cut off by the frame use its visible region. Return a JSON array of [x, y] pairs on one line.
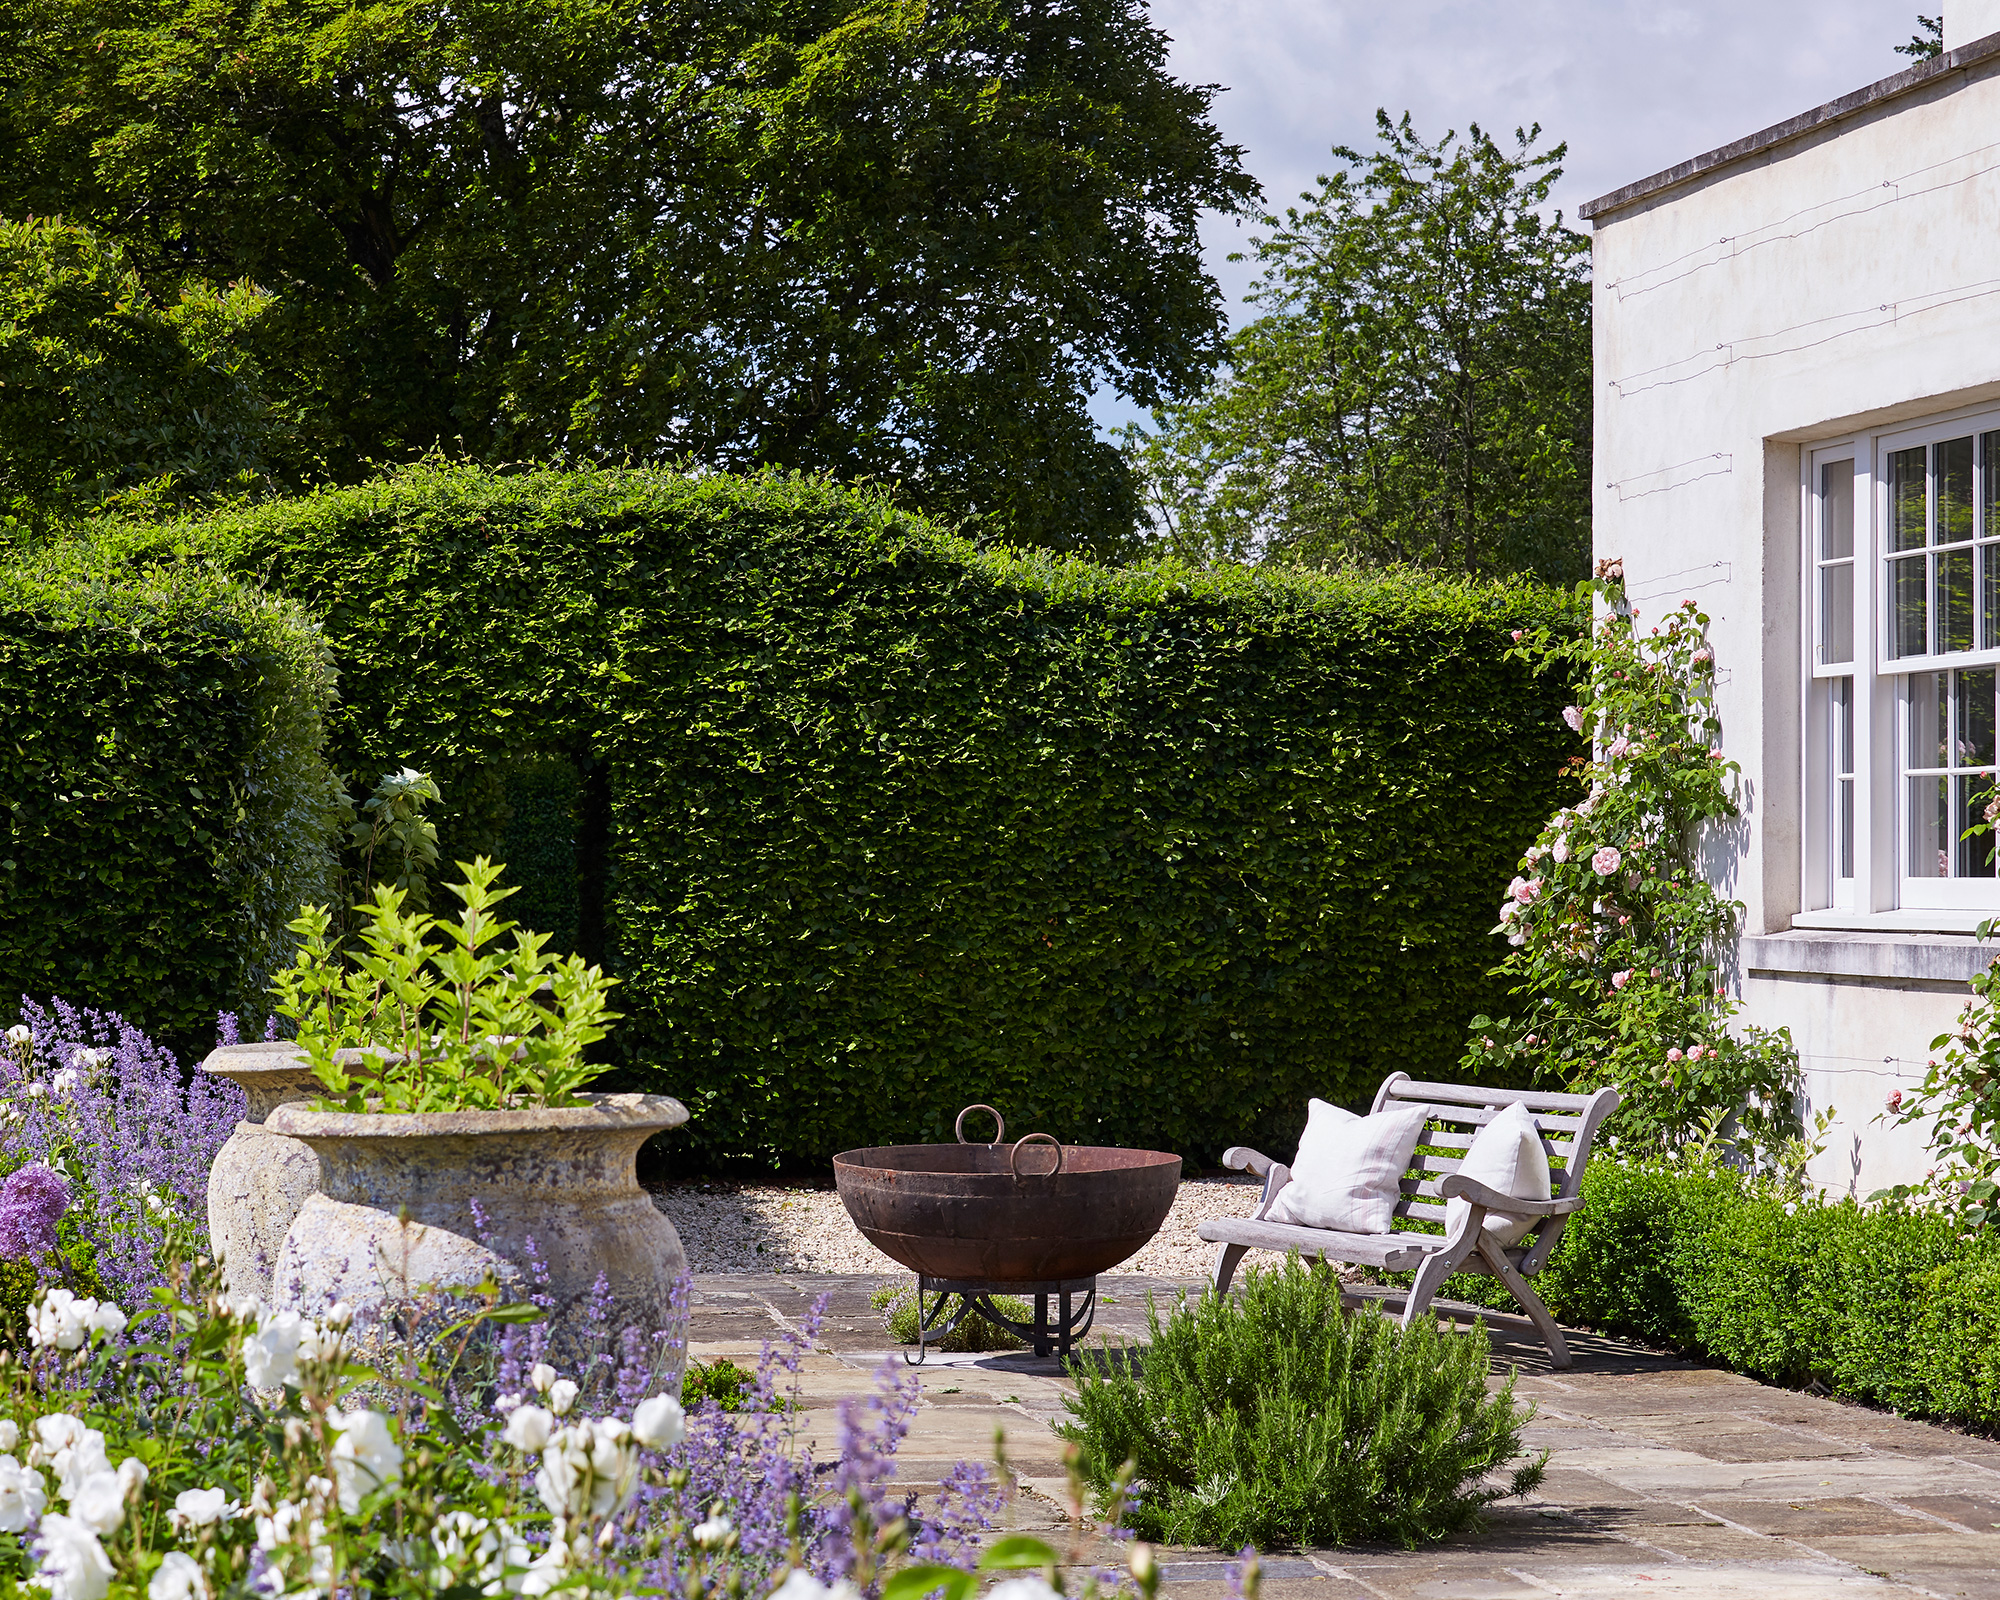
[[1346, 1173], [1507, 1155]]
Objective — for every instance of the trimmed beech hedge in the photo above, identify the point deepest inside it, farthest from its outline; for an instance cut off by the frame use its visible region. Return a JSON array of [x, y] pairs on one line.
[[874, 823], [1878, 1304], [164, 793]]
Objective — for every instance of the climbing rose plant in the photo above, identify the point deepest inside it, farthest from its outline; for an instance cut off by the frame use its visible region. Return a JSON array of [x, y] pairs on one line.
[[1617, 937]]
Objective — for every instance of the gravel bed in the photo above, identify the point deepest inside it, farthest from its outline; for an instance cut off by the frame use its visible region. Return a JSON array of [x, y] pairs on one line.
[[749, 1228]]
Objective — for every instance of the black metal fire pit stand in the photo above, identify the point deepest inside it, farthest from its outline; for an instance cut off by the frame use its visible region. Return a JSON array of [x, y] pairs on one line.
[[935, 1318]]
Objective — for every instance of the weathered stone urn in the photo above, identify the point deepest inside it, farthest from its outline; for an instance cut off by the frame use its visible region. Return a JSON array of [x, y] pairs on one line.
[[547, 1201], [259, 1178]]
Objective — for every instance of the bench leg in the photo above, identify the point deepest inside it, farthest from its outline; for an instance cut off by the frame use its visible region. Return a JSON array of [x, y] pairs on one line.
[[1430, 1278], [1545, 1325], [1226, 1258]]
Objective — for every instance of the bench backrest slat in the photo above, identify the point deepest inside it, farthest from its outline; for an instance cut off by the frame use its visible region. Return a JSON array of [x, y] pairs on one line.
[[1568, 1123]]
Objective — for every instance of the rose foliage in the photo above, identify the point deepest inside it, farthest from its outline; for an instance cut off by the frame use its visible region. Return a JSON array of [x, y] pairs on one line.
[[1617, 935]]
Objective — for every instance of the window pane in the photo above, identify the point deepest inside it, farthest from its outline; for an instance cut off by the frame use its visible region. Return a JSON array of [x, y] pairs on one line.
[[1906, 499], [1975, 855], [1929, 713], [1836, 510], [1907, 606], [1930, 824], [1843, 726], [1974, 732], [1843, 823], [1989, 485], [1836, 612], [1989, 595], [1953, 601], [1954, 490]]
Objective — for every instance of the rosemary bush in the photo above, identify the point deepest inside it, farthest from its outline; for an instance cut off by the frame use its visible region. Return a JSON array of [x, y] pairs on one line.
[[1271, 1418]]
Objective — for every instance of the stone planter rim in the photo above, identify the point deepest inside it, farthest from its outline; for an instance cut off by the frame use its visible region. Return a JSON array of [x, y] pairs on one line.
[[604, 1112]]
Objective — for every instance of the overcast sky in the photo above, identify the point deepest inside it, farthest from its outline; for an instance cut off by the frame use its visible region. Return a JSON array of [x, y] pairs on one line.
[[1631, 85]]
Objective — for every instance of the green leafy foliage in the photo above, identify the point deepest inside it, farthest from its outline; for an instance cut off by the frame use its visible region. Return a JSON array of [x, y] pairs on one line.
[[720, 1380], [1417, 387], [871, 822], [1960, 1097], [1618, 935], [166, 797], [112, 392], [452, 1020], [898, 1305], [1271, 1417], [1887, 1304], [889, 240]]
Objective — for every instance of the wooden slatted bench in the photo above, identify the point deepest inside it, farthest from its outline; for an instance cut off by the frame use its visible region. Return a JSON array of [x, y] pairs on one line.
[[1567, 1122]]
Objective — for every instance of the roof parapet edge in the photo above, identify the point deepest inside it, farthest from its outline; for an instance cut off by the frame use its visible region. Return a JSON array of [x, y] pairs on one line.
[[1848, 105]]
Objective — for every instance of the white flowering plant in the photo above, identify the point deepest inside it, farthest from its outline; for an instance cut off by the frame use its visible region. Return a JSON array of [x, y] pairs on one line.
[[1617, 935]]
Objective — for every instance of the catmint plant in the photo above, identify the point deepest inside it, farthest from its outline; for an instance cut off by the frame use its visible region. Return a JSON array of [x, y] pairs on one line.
[[1617, 936], [450, 1012]]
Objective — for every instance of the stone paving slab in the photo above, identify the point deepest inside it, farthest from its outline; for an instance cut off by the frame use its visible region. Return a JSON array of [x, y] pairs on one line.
[[1664, 1478]]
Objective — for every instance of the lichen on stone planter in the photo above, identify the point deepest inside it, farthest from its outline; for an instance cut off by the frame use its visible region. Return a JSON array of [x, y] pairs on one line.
[[259, 1178], [546, 1200]]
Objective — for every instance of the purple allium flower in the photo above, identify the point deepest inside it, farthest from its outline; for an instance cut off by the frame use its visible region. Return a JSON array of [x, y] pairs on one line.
[[32, 1202]]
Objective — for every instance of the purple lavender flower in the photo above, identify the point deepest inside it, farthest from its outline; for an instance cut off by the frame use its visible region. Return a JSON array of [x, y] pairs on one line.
[[32, 1202]]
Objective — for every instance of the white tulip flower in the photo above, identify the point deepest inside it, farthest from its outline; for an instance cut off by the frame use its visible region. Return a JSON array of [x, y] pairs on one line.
[[20, 1033], [199, 1508], [22, 1495], [1022, 1589], [70, 1563], [108, 1319], [659, 1423], [366, 1456], [800, 1584], [179, 1578], [711, 1533], [541, 1375], [10, 1433], [528, 1428], [98, 1502], [562, 1395], [271, 1354]]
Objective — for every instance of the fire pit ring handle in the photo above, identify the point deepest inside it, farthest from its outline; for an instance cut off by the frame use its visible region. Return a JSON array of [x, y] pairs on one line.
[[1000, 1124], [1014, 1160]]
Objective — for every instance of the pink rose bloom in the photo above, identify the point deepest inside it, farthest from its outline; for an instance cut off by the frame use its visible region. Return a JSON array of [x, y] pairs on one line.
[[1606, 861], [1560, 851], [1620, 979], [1620, 746], [1895, 1100], [1704, 655], [1695, 1054], [1525, 889], [1674, 1054], [1517, 635], [1573, 715]]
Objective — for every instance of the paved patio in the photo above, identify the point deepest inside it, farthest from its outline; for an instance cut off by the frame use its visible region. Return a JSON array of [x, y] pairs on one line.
[[1664, 1478]]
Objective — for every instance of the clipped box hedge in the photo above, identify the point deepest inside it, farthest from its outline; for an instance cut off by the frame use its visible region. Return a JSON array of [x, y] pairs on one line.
[[874, 823], [162, 793], [1877, 1304]]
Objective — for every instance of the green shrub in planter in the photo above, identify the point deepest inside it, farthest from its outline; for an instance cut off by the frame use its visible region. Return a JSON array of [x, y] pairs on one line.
[[1271, 1418]]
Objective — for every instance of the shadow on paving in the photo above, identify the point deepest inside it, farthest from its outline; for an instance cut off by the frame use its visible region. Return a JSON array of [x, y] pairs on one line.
[[1664, 1477]]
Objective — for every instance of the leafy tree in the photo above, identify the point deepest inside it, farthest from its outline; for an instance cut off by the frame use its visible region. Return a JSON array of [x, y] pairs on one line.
[[879, 237], [105, 391], [1927, 41], [1418, 386]]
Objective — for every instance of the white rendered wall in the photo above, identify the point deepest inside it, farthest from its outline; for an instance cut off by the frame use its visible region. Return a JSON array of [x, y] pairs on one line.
[[1834, 283], [1966, 20]]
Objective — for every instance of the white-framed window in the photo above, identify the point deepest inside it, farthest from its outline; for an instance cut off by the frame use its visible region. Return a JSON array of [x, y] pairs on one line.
[[1902, 599]]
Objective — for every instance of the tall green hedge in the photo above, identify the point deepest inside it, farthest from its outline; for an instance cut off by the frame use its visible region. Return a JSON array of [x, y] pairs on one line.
[[162, 789], [1878, 1304], [873, 823]]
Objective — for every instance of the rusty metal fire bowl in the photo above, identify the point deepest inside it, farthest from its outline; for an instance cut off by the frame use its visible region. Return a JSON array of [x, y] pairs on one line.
[[1030, 1217]]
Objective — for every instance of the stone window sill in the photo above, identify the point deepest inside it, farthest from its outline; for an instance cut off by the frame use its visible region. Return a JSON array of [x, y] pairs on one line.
[[1869, 952]]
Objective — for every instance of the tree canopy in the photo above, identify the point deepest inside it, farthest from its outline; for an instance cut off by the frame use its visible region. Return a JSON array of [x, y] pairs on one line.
[[884, 238], [1417, 387]]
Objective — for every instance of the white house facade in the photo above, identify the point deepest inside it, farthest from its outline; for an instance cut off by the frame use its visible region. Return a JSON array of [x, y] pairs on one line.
[[1798, 427]]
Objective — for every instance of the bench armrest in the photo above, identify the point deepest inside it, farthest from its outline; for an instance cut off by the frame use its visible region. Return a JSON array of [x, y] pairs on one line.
[[1241, 1158], [1460, 1187]]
